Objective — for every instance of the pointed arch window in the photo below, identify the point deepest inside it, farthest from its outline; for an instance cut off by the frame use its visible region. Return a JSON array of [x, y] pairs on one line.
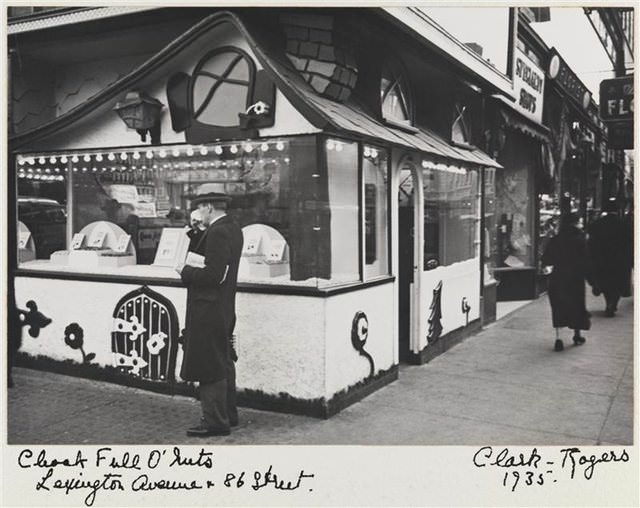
[[395, 95]]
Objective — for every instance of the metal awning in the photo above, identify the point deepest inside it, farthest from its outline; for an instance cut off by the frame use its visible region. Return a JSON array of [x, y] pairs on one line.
[[50, 19], [517, 121]]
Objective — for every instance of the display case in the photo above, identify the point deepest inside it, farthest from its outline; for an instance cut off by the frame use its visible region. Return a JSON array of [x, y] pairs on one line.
[[308, 220]]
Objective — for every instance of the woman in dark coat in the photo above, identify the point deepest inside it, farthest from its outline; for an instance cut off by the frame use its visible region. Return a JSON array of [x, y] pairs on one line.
[[567, 253]]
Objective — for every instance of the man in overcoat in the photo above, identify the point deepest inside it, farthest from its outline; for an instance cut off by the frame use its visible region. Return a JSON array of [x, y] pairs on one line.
[[210, 316], [612, 255]]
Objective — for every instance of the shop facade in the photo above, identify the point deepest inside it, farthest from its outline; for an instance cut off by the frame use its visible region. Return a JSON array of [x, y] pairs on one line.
[[361, 219]]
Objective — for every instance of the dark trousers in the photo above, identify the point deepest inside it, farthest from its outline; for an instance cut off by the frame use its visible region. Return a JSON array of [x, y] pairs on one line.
[[218, 400], [611, 298]]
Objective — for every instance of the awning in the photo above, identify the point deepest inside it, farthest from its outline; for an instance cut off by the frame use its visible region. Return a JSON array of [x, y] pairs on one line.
[[324, 113], [62, 17], [515, 120]]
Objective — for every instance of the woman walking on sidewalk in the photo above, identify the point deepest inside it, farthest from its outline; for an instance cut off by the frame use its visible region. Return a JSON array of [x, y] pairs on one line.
[[567, 254]]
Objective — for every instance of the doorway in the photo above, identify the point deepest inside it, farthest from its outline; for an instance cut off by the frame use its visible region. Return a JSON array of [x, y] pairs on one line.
[[409, 256]]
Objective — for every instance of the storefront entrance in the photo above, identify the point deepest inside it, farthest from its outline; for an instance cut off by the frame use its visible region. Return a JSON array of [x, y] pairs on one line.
[[409, 250]]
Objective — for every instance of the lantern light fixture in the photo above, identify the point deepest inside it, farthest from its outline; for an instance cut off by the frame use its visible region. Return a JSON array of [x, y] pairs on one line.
[[233, 149], [204, 150], [149, 154], [280, 146], [75, 159], [218, 150], [99, 157], [264, 147], [86, 158], [141, 112], [111, 156], [52, 160]]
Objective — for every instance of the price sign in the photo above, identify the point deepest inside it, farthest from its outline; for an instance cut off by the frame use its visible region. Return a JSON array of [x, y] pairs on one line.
[[77, 241], [97, 239], [23, 239], [123, 243]]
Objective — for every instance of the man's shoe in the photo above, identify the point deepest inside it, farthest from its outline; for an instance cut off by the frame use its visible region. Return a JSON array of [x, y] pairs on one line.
[[202, 431], [234, 423], [609, 313], [578, 340], [559, 346]]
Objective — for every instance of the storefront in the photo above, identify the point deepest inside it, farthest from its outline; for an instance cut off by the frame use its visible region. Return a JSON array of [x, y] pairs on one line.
[[520, 143], [335, 281]]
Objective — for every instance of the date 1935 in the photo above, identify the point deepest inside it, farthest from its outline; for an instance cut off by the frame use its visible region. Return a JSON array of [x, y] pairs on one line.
[[532, 469]]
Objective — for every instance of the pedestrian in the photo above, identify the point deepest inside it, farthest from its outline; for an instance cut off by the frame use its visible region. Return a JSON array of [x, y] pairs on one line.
[[210, 317], [567, 254], [611, 250]]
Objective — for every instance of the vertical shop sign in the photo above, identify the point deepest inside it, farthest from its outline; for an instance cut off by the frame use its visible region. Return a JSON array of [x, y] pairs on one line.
[[528, 84]]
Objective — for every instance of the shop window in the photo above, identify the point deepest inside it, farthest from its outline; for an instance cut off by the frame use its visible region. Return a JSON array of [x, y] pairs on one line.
[[514, 198], [451, 215], [130, 208], [42, 212], [342, 173], [376, 183], [395, 95]]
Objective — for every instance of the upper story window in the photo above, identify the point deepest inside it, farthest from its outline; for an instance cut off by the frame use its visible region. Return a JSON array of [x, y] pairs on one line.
[[461, 125], [222, 86], [395, 95]]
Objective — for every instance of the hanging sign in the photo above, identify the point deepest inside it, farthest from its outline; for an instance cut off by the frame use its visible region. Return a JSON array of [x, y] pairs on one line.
[[528, 84], [616, 110], [567, 79], [616, 98]]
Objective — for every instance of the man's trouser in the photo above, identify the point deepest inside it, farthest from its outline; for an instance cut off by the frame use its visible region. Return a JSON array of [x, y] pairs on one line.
[[218, 400]]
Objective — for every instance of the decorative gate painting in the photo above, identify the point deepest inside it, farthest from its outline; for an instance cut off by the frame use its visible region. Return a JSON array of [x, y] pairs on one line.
[[144, 339]]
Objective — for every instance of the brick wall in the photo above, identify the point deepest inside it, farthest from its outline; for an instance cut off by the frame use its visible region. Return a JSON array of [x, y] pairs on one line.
[[328, 67]]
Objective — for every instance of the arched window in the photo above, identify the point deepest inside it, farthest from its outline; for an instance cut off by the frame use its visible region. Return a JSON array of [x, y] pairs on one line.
[[395, 95], [222, 86]]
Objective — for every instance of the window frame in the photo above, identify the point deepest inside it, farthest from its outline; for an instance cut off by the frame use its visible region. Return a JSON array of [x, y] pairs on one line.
[[197, 71], [400, 75]]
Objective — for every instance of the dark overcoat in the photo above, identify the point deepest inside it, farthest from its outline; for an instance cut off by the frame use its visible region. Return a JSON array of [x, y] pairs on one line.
[[211, 295], [567, 253], [611, 250]]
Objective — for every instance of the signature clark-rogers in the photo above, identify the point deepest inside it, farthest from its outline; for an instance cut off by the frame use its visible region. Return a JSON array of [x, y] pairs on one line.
[[531, 468]]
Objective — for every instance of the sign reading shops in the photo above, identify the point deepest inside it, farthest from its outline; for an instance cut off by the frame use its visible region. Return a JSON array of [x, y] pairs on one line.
[[616, 110], [528, 83]]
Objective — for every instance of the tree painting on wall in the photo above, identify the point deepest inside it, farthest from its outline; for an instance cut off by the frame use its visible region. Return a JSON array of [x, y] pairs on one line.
[[435, 315]]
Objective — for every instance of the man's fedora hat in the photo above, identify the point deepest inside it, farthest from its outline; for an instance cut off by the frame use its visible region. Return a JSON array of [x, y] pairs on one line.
[[209, 197]]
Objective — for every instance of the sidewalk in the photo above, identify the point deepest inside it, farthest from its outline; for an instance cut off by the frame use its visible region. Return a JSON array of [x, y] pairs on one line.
[[504, 385]]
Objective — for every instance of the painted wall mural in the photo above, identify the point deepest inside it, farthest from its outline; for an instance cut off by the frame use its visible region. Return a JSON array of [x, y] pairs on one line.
[[435, 315], [145, 335], [466, 308], [33, 318], [74, 338], [359, 334]]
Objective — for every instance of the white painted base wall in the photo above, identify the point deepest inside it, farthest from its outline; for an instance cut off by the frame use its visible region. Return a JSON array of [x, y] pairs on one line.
[[459, 280], [297, 345]]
